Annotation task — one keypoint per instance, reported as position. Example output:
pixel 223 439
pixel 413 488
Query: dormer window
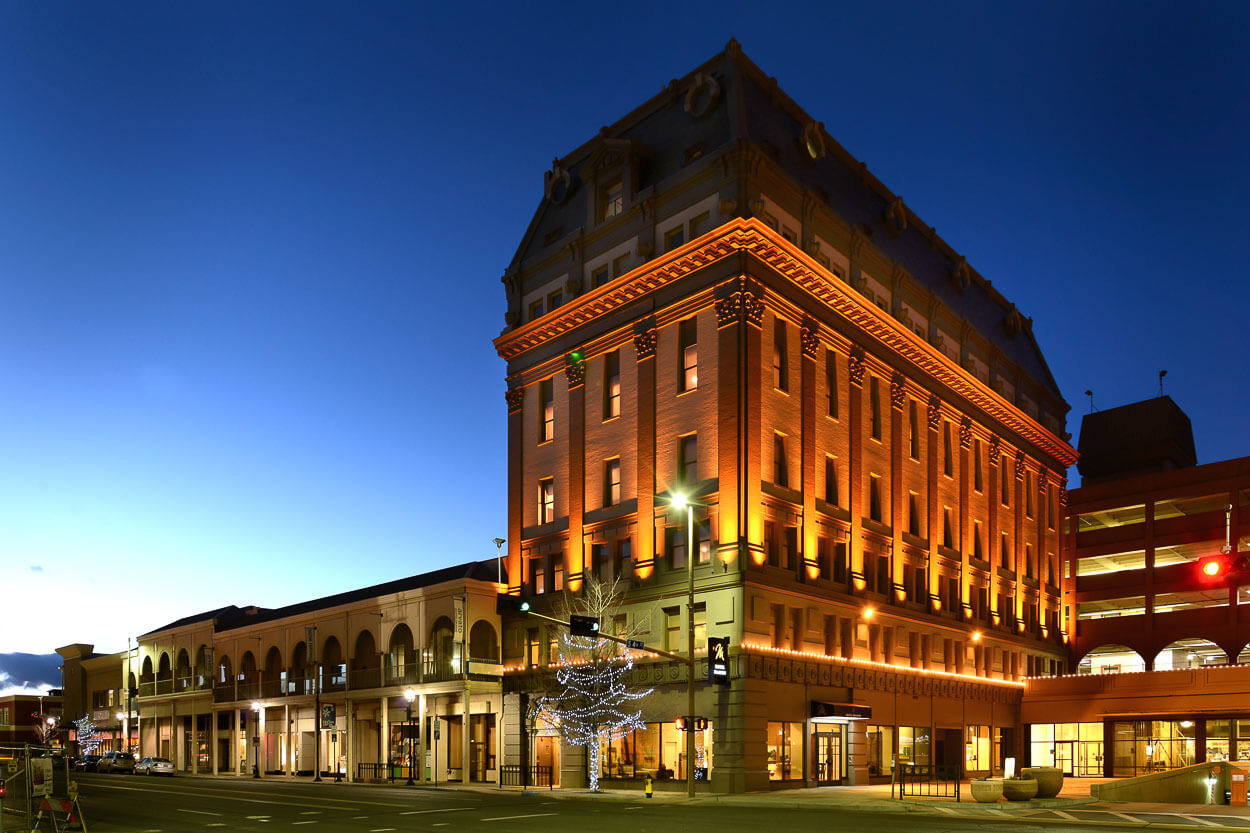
pixel 612 200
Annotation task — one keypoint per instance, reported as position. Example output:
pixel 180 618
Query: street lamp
pixel 679 501
pixel 409 695
pixel 499 542
pixel 256 740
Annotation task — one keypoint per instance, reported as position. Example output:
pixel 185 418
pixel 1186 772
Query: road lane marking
pixel 381 829
pixel 441 824
pixel 237 797
pixel 439 810
pixel 1200 820
pixel 311 813
pixel 313 821
pixel 1067 816
pixel 526 816
pixel 199 812
pixel 1123 816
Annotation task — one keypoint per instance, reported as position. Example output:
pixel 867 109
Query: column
pixel 516 469
pixel 933 441
pixel 385 740
pixel 575 376
pixel 809 344
pixel 465 767
pixel 347 740
pixel 211 735
pixel 898 506
pixel 645 337
pixel 421 740
pixel 288 766
pixel 855 466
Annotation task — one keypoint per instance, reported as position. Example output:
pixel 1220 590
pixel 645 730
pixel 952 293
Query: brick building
pixel 715 298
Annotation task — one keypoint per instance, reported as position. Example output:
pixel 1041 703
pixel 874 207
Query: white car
pixel 154 766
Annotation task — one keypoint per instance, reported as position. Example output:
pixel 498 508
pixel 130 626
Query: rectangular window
pixel 913 513
pixel 599 277
pixel 536 310
pixel 532 646
pixel 624 558
pixel 874 497
pixel 1004 552
pixel 977 484
pixel 913 419
pixel 612 200
pixel 547 411
pixel 874 400
pixel 1006 490
pixel 1029 569
pixel 699 225
pixel 948 539
pixel 676 546
pixel 703 541
pixel 612 385
pixel 546 500
pixel 948 458
pixel 688 462
pixel 555 299
pixel 1051 507
pixel 672 629
pixel 700 625
pixel 772 548
pixel 789 547
pixel 781 376
pixel 841 564
pixel 674 238
pixel 557 573
pixel 831 383
pixel 831 481
pixel 620 266
pixel 689 349
pixel 781 472
pixel 612 482
pixel 538 576
pixel 1028 494
pixel 977 551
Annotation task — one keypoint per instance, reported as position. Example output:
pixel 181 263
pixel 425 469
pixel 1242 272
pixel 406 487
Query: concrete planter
pixel 986 790
pixel 1019 789
pixel 1049 779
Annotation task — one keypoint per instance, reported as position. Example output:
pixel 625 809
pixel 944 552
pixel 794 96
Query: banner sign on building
pixel 327 716
pixel 459 637
pixel 718 660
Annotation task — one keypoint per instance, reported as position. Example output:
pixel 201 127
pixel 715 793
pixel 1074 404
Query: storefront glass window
pixel 1076 748
pixel 913 745
pixel 785 751
pixel 1243 740
pixel 977 749
pixel 659 750
pixel 1218 732
pixel 880 750
pixel 1153 745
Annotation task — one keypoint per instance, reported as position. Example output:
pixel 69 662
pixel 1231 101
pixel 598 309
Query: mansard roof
pixel 728 104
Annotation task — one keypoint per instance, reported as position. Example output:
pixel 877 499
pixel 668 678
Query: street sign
pixel 718 660
pixel 636 644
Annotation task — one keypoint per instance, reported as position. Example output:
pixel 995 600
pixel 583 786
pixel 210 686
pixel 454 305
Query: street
pixel 118 804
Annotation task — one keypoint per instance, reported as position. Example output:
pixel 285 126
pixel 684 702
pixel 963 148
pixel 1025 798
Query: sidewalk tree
pixel 592 704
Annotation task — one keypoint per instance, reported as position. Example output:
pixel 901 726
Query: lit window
pixel 612 482
pixel 688 462
pixel 546 500
pixel 781 471
pixel 781 378
pixel 687 335
pixel 612 385
pixel 537 576
pixel 613 196
pixel 546 399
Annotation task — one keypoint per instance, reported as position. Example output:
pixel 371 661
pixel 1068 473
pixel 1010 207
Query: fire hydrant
pixel 647 786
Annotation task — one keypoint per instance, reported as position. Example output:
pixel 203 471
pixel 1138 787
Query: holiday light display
pixel 593 705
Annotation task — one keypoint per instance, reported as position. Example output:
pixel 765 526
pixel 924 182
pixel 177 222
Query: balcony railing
pixel 365 677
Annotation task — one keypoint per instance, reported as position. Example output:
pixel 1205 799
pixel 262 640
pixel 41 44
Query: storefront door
pixel 827 754
pixel 1063 756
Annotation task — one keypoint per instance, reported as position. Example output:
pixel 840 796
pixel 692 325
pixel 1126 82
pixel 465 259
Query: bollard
pixel 647 786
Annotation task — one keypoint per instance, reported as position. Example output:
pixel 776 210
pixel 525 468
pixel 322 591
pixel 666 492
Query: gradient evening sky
pixel 250 252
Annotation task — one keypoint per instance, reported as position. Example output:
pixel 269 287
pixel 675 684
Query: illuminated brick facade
pixel 865 421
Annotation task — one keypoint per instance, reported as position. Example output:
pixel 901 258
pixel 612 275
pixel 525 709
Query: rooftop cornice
pixel 750 236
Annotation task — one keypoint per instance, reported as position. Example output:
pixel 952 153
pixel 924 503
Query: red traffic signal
pixel 1213 567
pixel 681 723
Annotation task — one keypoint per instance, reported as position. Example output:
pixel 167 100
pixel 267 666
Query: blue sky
pixel 250 253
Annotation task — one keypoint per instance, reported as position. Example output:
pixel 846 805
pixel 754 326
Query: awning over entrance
pixel 839 712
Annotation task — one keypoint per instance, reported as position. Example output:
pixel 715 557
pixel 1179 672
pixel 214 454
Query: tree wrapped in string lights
pixel 593 705
pixel 89 738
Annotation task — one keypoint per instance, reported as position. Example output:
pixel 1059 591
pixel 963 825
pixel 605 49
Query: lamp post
pixel 499 542
pixel 680 501
pixel 256 740
pixel 409 695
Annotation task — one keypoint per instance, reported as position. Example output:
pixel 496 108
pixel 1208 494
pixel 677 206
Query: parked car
pixel 86 763
pixel 116 762
pixel 154 766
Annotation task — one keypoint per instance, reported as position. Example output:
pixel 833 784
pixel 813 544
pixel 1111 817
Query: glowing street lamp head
pixel 410 695
pixel 256 706
pixel 976 636
pixel 868 612
pixel 679 501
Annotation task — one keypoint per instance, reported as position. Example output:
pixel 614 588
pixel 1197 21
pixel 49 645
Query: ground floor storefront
pixel 1116 725
pixel 784 721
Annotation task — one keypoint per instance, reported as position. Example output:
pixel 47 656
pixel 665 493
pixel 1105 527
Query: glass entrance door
pixel 827 754
pixel 1063 756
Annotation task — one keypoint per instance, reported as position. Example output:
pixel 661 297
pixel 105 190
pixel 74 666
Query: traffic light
pixel 681 724
pixel 510 604
pixel 583 626
pixel 1213 567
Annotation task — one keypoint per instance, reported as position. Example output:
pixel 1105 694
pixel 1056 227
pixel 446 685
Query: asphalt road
pixel 121 804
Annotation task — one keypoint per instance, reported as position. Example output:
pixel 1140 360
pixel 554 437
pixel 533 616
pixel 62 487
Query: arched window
pixel 483 643
pixel 400 658
pixel 1111 659
pixel 442 658
pixel 365 662
pixel 333 671
pixel 1190 653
